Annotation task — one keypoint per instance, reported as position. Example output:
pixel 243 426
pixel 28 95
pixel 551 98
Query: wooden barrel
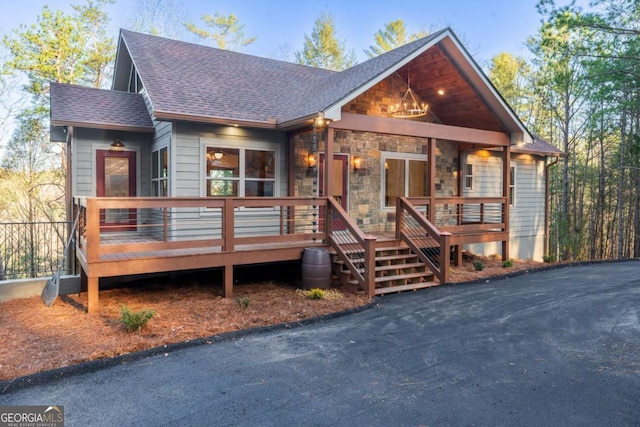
pixel 316 269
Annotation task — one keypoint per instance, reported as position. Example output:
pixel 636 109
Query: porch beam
pixel 431 164
pixel 359 122
pixel 329 183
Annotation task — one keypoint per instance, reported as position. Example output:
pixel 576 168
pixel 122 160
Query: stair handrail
pixel 366 279
pixel 403 205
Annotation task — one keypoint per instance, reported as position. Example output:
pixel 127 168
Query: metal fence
pixel 35 249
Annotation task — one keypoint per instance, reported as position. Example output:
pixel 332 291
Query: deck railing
pixel 34 249
pixel 463 214
pixel 425 240
pixel 356 249
pixel 114 225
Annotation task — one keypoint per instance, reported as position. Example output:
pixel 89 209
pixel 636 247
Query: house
pixel 199 157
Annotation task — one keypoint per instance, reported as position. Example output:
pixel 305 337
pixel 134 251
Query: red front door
pixel 116 177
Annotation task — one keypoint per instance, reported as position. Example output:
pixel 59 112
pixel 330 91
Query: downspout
pixel 69 172
pixel 70 262
pixel 547 213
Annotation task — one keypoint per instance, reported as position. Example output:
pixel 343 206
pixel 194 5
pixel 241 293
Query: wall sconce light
pixel 116 143
pixel 218 155
pixel 357 163
pixel 311 160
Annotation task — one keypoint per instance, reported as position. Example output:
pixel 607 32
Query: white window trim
pixel 464 176
pixel 241 145
pixel 512 184
pixel 161 178
pixel 384 156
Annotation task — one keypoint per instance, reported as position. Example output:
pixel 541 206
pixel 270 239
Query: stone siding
pixel 365 185
pixel 381 98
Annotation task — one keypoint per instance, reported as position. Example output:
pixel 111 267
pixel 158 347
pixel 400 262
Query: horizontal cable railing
pixel 34 249
pixel 128 225
pixel 463 213
pixel 356 250
pixel 425 240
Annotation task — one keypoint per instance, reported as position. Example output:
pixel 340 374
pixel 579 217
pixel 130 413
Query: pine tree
pixel 227 32
pixel 392 36
pixel 323 49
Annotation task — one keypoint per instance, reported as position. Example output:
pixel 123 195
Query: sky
pixel 486 27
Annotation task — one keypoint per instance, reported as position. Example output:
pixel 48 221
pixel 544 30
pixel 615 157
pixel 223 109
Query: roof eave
pixel 171 116
pixel 302 121
pixel 538 152
pixel 105 126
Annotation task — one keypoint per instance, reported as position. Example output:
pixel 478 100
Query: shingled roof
pixel 538 147
pixel 73 105
pixel 188 80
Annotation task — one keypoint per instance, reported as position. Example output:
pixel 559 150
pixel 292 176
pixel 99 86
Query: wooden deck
pixel 174 234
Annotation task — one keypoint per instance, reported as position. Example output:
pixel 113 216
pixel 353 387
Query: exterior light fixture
pixel 311 160
pixel 117 143
pixel 357 163
pixel 409 106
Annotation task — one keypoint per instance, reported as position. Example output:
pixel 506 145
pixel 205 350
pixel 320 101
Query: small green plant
pixel 317 293
pixel 548 258
pixel 478 265
pixel 135 320
pixel 508 263
pixel 243 302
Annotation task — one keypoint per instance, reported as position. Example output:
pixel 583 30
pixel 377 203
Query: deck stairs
pixel 397 269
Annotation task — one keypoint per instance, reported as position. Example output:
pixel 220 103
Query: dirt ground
pixel 36 338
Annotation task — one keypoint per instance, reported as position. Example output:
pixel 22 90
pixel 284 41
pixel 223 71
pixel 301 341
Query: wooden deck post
pixel 399 217
pixel 458 252
pixel 228 224
pixel 445 251
pixel 93 305
pixel 431 166
pixel 227 290
pixel 92 229
pixel 370 265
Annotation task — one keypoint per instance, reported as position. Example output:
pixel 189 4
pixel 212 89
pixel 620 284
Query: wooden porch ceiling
pixel 459 104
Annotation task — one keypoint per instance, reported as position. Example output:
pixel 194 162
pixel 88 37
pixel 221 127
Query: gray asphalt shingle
pixel 195 80
pixel 81 105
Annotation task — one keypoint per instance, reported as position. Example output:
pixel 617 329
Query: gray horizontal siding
pixel 189 172
pixel 526 217
pixel 85 144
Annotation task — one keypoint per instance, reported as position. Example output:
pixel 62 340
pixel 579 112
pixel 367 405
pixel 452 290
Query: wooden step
pixel 399 266
pixel 380 258
pixel 380 268
pixel 405 288
pixel 383 279
pixel 378 251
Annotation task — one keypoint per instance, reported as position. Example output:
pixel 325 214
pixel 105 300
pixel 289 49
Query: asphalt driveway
pixel 558 347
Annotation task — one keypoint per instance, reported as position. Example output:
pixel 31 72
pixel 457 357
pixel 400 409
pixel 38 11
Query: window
pixel 404 175
pixel 135 84
pixel 240 172
pixel 468 176
pixel 160 172
pixel 512 187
